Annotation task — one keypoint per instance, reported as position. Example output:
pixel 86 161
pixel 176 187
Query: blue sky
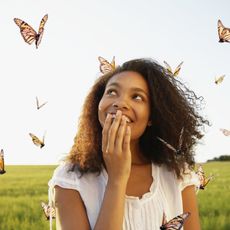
pixel 64 67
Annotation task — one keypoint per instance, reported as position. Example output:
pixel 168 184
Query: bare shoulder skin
pixel 190 205
pixel 70 210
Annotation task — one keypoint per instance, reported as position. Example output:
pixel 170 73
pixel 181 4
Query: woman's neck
pixel 137 155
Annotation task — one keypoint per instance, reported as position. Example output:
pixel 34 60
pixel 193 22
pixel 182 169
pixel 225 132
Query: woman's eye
pixel 138 97
pixel 111 92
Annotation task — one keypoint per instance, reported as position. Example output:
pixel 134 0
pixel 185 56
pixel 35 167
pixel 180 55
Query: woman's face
pixel 127 91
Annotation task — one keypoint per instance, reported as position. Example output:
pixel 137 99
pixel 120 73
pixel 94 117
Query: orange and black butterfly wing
pixel 43 139
pixel 105 66
pixel 168 68
pixel 180 141
pixel 177 70
pixel 2 166
pixel 167 144
pixel 225 132
pixel 41 30
pixel 38 104
pixel 37 141
pixel 223 32
pixel 201 176
pixel 220 29
pixel 42 24
pixel 48 211
pixel 226 34
pixel 28 33
pixel 164 220
pixel 113 63
pixel 176 223
pixel 219 79
pixel 45 210
pixel 206 181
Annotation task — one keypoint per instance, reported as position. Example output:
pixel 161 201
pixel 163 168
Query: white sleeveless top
pixel 145 213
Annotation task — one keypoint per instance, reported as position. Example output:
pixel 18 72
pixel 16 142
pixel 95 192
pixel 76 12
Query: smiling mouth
pixel 128 120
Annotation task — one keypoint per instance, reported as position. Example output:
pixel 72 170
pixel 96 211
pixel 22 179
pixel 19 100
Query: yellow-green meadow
pixel 21 191
pixel 23 188
pixel 214 201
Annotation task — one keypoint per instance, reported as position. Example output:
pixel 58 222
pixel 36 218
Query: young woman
pixel 119 174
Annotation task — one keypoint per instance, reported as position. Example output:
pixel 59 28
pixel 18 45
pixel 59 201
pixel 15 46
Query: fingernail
pixel 118 112
pixel 123 118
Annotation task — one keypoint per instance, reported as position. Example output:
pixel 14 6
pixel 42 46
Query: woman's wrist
pixel 117 183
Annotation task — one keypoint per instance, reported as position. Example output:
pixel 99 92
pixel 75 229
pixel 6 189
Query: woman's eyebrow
pixel 114 84
pixel 135 89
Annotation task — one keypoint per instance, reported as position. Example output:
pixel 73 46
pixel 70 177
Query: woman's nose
pixel 120 104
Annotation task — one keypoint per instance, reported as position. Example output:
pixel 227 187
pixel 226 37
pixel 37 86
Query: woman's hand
pixel 116 137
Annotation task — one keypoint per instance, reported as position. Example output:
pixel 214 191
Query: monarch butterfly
pixel 176 223
pixel 28 33
pixel 49 211
pixel 219 79
pixel 223 32
pixel 178 150
pixel 202 178
pixel 105 66
pixel 37 141
pixel 225 132
pixel 38 104
pixel 169 69
pixel 2 167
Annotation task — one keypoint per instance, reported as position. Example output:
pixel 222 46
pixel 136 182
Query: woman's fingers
pixel 113 132
pixel 126 142
pixel 116 135
pixel 118 146
pixel 105 131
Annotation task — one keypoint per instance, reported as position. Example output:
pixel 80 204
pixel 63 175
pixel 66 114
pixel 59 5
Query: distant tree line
pixel 220 158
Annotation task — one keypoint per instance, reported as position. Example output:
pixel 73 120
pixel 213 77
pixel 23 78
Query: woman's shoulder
pixel 188 177
pixel 68 176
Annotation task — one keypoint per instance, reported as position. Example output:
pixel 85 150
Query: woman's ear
pixel 149 123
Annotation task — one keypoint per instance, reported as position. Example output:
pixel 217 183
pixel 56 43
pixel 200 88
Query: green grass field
pixel 214 201
pixel 22 189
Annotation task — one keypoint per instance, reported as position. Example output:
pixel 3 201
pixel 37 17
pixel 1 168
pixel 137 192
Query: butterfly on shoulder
pixel 39 106
pixel 178 151
pixel 48 210
pixel 2 165
pixel 176 223
pixel 202 178
pixel 169 69
pixel 28 33
pixel 105 66
pixel 218 80
pixel 226 132
pixel 37 141
pixel 223 32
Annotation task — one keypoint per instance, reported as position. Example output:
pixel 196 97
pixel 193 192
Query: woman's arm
pixel 70 210
pixel 116 137
pixel 112 209
pixel 71 213
pixel 190 205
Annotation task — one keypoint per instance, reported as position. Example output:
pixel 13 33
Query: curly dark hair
pixel 172 107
